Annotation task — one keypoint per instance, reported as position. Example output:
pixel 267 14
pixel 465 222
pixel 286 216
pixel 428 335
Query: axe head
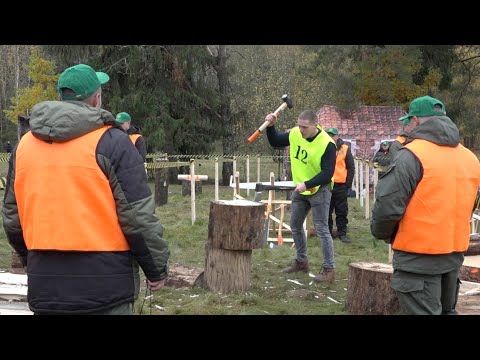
pixel 289 101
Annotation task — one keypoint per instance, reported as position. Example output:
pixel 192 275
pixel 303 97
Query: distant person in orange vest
pixel 124 120
pixel 423 208
pixel 77 206
pixel 342 178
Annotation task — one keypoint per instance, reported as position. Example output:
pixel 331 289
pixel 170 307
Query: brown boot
pixel 297 266
pixel 326 275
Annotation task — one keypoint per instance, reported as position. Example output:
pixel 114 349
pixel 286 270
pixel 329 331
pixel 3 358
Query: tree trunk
pixel 224 88
pixel 187 188
pixel 236 225
pixel 161 186
pixel 235 228
pixel 227 270
pixel 470 270
pixel 369 291
pixel 474 246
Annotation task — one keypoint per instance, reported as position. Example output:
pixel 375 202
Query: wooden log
pixel 468 299
pixel 186 187
pixel 369 291
pixel 180 276
pixel 470 270
pixel 474 246
pixel 227 270
pixel 161 186
pixel 236 225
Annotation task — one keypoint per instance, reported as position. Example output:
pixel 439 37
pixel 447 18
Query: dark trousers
pixel 421 294
pixel 339 203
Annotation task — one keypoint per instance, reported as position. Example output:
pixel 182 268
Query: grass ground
pixel 270 292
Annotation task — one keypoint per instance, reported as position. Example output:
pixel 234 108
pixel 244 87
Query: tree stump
pixel 186 187
pixel 369 291
pixel 161 186
pixel 235 228
pixel 470 270
pixel 474 246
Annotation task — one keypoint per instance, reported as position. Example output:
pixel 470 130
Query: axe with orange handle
pixel 287 102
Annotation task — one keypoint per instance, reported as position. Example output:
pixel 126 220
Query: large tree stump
pixel 369 291
pixel 187 188
pixel 470 270
pixel 235 228
pixel 236 225
pixel 474 246
pixel 227 270
pixel 161 186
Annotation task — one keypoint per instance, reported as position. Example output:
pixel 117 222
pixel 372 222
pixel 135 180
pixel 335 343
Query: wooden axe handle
pixel 265 124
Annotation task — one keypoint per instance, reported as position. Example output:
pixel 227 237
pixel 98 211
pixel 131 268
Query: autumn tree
pixel 44 80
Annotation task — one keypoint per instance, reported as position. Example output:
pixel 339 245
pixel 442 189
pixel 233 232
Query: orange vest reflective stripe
pixel 134 138
pixel 340 174
pixel 50 181
pixel 401 139
pixel 437 219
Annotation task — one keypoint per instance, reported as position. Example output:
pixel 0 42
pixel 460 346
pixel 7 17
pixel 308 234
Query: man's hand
pixel 271 118
pixel 300 188
pixel 155 285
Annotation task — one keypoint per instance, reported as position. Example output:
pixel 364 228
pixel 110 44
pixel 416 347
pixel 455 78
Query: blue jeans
pixel 320 205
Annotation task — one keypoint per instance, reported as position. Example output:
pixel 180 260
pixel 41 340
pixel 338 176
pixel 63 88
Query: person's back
pixel 423 207
pixel 77 187
pixel 124 121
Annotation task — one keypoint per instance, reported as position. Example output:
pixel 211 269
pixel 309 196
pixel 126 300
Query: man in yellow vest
pixel 124 120
pixel 342 178
pixel 423 208
pixel 77 206
pixel 312 156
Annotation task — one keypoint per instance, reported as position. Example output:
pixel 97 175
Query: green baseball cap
pixel 82 80
pixel 333 131
pixel 123 117
pixel 423 106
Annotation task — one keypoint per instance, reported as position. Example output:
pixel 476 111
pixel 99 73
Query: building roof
pixel 367 125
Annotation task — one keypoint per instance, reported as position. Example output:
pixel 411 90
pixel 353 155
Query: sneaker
pixel 326 275
pixel 345 239
pixel 297 266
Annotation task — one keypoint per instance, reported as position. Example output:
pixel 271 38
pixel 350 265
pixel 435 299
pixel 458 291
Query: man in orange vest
pixel 342 177
pixel 124 120
pixel 77 206
pixel 423 208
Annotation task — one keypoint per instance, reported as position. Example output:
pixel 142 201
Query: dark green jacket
pixel 78 282
pixel 396 187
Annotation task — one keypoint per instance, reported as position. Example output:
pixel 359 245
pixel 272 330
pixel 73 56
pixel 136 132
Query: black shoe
pixel 345 239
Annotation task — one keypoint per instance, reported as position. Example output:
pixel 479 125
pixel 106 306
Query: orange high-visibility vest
pixel 401 139
pixel 340 174
pixel 64 199
pixel 437 219
pixel 134 138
